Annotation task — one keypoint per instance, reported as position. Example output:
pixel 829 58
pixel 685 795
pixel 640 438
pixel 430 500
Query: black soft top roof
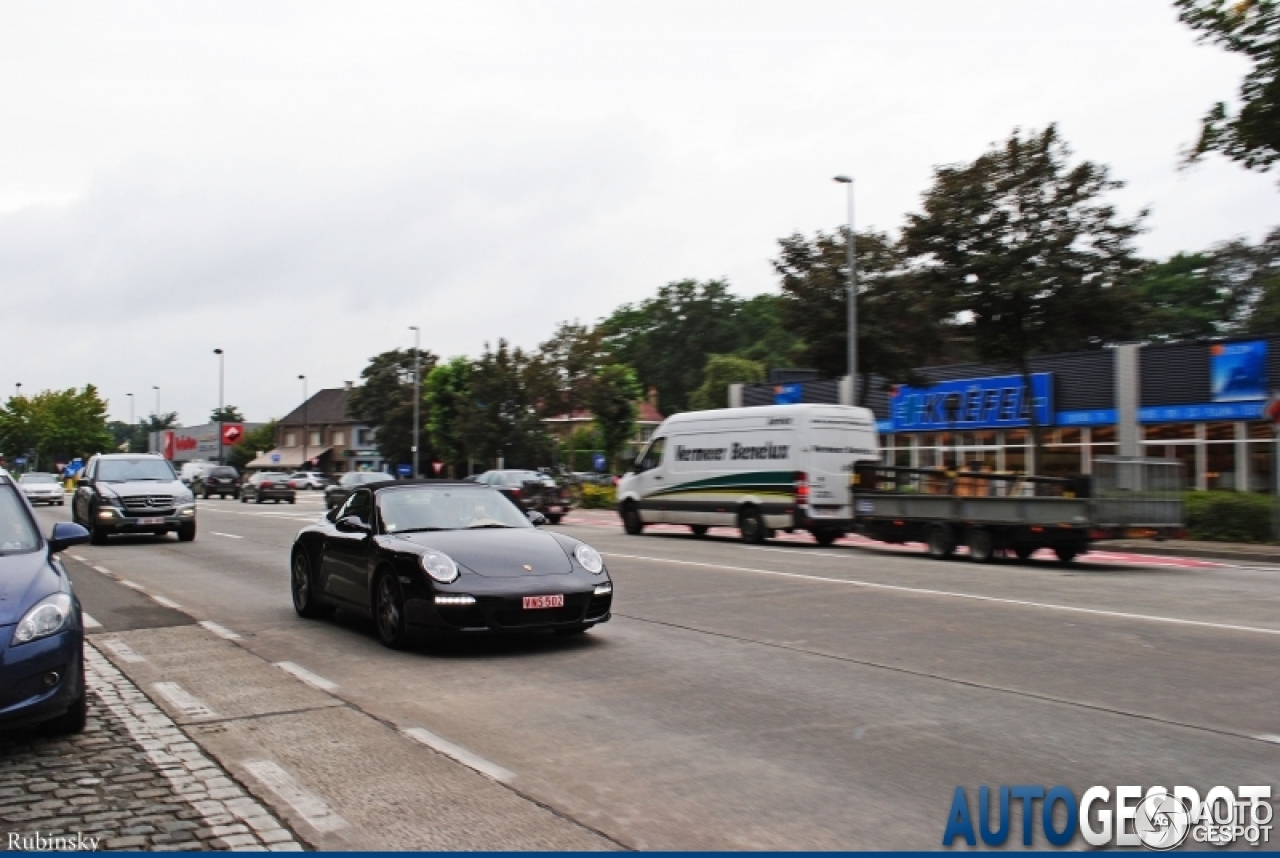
pixel 381 485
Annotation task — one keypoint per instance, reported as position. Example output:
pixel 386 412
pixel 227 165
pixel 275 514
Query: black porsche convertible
pixel 424 556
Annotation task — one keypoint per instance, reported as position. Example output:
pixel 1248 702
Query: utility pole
pixel 306 423
pixel 853 296
pixel 417 398
pixel 218 352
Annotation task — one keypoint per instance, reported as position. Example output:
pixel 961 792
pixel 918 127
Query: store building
pixel 198 443
pixel 1200 402
pixel 318 435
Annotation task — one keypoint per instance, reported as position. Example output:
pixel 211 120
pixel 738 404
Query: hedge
pixel 598 497
pixel 1229 516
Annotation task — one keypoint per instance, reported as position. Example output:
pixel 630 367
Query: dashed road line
pixel 221 631
pixel 307 676
pixel 167 603
pixel 122 650
pixel 89 622
pixel 459 754
pixel 1267 737
pixel 78 557
pixel 104 570
pixel 133 585
pixel 227 535
pixel 187 703
pixel 308 805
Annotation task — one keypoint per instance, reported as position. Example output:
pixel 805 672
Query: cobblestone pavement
pixel 132 780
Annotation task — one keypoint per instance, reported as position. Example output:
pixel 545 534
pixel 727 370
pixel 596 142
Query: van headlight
pixel 50 616
pixel 589 558
pixel 439 566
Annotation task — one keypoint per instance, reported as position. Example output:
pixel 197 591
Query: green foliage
pixel 57 425
pixel 1181 300
pixel 1250 28
pixel 720 372
pixel 254 443
pixel 447 396
pixel 612 399
pixel 500 416
pixel 598 497
pixel 1229 516
pixel 226 414
pixel 385 402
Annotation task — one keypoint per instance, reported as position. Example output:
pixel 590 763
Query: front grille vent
pixel 147 501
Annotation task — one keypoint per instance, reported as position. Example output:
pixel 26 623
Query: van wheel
pixel 751 525
pixel 631 521
pixel 982 545
pixel 942 543
pixel 699 529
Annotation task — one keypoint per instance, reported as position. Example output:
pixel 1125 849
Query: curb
pixel 1200 553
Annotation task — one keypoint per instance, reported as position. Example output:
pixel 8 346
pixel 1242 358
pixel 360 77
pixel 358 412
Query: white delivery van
pixel 773 467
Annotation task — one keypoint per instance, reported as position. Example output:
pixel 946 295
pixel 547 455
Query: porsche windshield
pixel 417 509
pixel 17 531
pixel 128 470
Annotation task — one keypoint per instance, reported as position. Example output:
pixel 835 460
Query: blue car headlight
pixel 50 615
pixel 589 558
pixel 439 566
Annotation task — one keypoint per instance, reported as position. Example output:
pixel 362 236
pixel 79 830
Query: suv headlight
pixel 50 616
pixel 183 497
pixel 589 558
pixel 439 566
pixel 108 497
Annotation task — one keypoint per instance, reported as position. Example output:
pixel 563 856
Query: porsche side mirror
pixel 536 518
pixel 351 524
pixel 66 534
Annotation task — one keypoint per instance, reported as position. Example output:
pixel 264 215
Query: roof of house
pixel 646 412
pixel 324 406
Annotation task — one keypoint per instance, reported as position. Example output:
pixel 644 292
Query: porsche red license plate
pixel 543 602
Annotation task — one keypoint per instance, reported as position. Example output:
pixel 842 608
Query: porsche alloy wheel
pixel 304 600
pixel 388 611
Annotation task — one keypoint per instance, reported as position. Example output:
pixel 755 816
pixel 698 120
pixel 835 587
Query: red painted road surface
pixel 609 519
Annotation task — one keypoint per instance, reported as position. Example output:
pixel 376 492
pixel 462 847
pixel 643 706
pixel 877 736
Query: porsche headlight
pixel 439 566
pixel 589 559
pixel 51 615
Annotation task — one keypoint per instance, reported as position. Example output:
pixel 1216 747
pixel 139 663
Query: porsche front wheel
pixel 388 612
pixel 304 597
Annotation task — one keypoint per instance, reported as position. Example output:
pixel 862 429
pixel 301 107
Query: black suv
pixel 529 490
pixel 220 480
pixel 133 493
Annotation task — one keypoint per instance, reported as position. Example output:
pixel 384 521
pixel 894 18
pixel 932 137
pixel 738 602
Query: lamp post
pixel 130 395
pixel 17 390
pixel 306 423
pixel 852 296
pixel 157 390
pixel 221 416
pixel 417 395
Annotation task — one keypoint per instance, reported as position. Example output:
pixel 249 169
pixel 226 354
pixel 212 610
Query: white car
pixel 308 480
pixel 42 488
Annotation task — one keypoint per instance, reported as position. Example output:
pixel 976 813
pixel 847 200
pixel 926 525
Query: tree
pixel 901 324
pixel 56 425
pixel 720 372
pixel 226 414
pixel 1250 28
pixel 560 377
pixel 1180 300
pixel 1027 256
pixel 385 402
pixel 448 399
pixel 762 337
pixel 254 443
pixel 501 419
pixel 612 399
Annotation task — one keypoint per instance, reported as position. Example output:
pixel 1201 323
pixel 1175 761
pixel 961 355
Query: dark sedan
pixel 220 480
pixel 267 486
pixel 529 490
pixel 41 630
pixel 424 556
pixel 337 493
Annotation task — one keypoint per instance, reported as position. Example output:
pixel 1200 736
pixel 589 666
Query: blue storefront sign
pixel 998 402
pixel 1238 371
pixel 1198 413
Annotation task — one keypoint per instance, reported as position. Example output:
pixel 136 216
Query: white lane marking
pixel 921 591
pixel 123 650
pixel 307 676
pixel 104 570
pixel 459 754
pixel 1269 738
pixel 309 806
pixel 227 535
pixel 77 557
pixel 168 603
pixel 221 631
pixel 134 585
pixel 89 622
pixel 187 703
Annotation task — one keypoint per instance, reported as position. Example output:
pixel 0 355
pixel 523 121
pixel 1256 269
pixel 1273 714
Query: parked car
pixel 42 488
pixel 431 556
pixel 132 493
pixel 529 490
pixel 267 486
pixel 336 493
pixel 220 480
pixel 42 648
pixel 309 480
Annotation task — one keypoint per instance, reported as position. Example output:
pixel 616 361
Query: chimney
pixel 653 397
pixel 350 385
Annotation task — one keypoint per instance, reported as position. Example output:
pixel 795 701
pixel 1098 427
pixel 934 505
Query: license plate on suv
pixel 150 521
pixel 531 602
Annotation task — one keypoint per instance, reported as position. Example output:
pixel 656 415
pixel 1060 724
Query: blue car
pixel 41 630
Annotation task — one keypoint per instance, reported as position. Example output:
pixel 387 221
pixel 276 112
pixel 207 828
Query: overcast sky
pixel 299 183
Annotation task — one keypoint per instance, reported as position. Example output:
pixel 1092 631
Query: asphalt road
pixel 788 696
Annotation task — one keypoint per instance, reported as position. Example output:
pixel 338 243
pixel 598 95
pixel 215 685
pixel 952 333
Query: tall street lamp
pixel 17 390
pixel 306 423
pixel 852 296
pixel 221 416
pixel 417 395
pixel 157 390
pixel 130 395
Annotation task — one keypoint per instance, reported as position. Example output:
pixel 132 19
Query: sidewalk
pixel 1227 551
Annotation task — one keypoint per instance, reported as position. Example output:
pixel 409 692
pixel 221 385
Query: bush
pixel 1229 516
pixel 598 497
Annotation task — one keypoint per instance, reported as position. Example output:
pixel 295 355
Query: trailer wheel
pixel 827 536
pixel 982 545
pixel 1066 553
pixel 1024 552
pixel 942 542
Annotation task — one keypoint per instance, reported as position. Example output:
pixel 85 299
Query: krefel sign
pixel 998 402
